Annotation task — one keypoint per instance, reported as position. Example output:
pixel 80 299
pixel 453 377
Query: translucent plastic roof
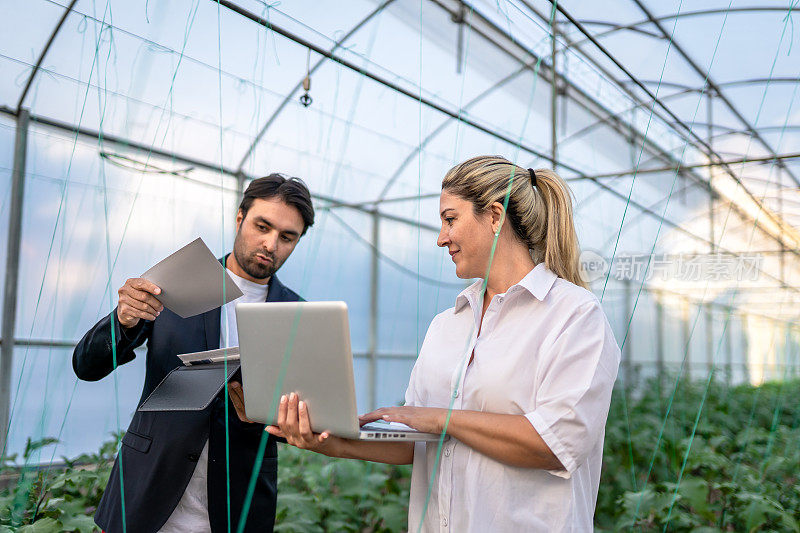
pixel 676 124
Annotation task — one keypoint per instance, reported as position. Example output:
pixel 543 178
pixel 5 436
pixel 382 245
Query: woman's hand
pixel 424 419
pixel 295 426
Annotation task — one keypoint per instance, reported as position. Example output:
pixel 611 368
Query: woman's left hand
pixel 424 419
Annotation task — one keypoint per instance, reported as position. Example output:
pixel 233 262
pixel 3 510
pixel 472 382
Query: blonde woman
pixel 528 363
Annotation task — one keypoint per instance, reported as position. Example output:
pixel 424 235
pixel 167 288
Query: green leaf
pixel 79 523
pixel 755 514
pixel 44 525
pixel 694 491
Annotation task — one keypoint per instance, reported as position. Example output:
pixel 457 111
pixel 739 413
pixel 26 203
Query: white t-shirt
pixel 545 351
pixel 191 513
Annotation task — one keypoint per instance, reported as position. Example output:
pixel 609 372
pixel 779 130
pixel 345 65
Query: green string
pixel 313 253
pixel 18 503
pixel 466 350
pixel 752 234
pixel 658 232
pixel 64 192
pixel 102 101
pixel 641 152
pixel 222 213
pixel 163 109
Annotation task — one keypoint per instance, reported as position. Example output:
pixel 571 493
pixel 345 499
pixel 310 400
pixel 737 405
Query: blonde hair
pixel 540 216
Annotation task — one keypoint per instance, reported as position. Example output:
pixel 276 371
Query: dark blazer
pixel 160 449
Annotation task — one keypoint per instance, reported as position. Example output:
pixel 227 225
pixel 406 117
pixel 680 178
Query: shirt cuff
pixel 544 429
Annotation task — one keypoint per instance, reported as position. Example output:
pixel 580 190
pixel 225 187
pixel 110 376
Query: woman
pixel 526 358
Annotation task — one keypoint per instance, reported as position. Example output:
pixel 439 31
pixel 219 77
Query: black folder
pixel 189 388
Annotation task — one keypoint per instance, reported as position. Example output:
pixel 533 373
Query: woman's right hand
pixel 295 426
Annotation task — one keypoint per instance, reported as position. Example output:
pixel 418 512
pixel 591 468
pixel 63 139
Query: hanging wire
pixel 752 234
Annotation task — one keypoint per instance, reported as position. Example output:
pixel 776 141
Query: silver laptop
pixel 305 346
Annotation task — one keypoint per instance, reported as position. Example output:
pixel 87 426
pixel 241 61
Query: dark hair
pixel 291 190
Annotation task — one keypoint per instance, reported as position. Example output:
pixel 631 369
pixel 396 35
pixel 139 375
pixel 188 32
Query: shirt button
pixel 455 393
pixel 447 452
pixel 444 522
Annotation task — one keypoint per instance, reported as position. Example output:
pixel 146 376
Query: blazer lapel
pixel 275 291
pixel 211 323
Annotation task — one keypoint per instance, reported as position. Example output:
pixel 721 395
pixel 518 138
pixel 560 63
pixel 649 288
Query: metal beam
pixel 709 337
pixel 373 314
pixel 678 120
pixel 379 79
pixel 737 161
pixel 735 83
pixel 727 129
pixel 614 27
pixel 687 338
pixel 728 351
pixel 12 272
pixel 418 97
pixel 199 163
pixel 439 129
pixel 716 88
pixel 299 84
pixel 44 53
pixel 635 98
pixel 659 341
pixel 627 351
pixel 528 59
pixel 528 62
pixel 125 143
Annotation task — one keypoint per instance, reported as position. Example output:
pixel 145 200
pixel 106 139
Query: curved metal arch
pixel 713 86
pixel 615 27
pixel 763 129
pixel 790 190
pixel 732 83
pixel 616 116
pixel 46 48
pixel 439 129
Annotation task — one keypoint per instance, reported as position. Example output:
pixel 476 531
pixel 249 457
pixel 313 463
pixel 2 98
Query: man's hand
pixel 137 300
pixel 236 392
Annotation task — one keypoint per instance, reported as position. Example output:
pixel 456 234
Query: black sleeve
pixel 93 358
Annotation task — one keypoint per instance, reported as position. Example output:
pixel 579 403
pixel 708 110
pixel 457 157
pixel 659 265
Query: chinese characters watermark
pixel 686 267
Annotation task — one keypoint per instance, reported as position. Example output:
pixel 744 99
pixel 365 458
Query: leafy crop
pixel 742 472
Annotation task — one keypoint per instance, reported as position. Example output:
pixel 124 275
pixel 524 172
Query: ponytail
pixel 560 244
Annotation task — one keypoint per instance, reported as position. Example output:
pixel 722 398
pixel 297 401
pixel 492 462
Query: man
pixel 173 465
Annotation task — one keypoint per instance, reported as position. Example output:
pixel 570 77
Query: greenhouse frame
pixel 128 129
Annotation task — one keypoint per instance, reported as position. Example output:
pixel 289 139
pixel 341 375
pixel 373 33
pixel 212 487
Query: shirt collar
pixel 538 282
pixel 470 294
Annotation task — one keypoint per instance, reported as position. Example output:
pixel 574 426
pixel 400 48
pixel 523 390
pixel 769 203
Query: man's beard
pixel 251 264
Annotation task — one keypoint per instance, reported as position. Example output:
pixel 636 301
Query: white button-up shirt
pixel 545 351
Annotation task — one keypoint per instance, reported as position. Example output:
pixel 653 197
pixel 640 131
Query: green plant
pixel 57 499
pixel 316 493
pixel 742 471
